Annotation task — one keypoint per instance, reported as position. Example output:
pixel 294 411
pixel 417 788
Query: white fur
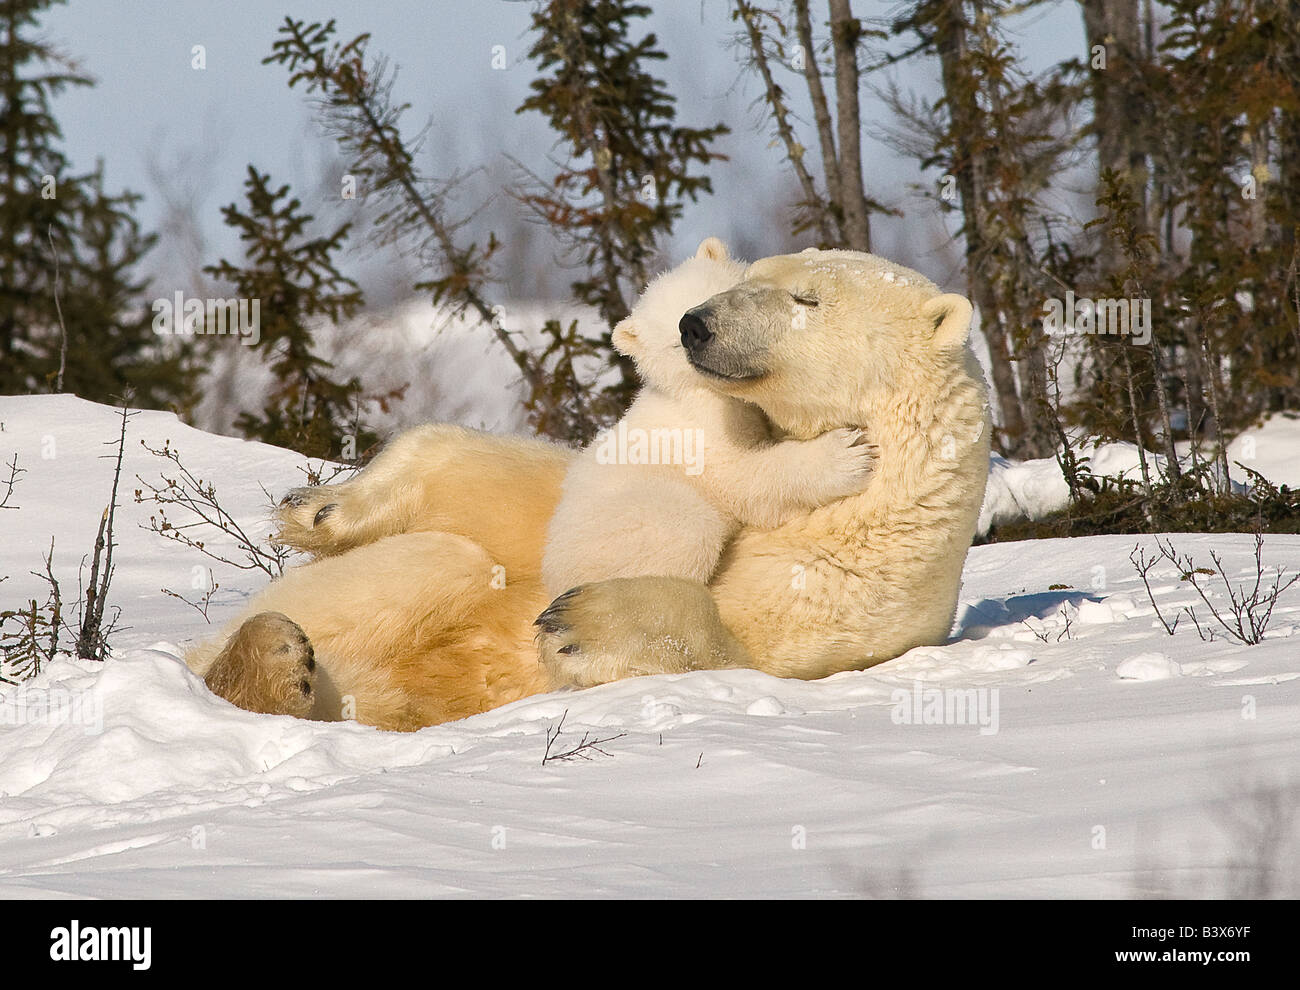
pixel 718 466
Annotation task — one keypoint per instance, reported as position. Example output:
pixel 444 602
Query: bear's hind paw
pixel 267 666
pixel 302 520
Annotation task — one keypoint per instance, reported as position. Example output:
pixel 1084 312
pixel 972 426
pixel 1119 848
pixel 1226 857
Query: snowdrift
pixel 1062 744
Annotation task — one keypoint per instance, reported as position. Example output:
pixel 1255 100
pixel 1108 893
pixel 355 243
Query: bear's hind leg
pixel 433 478
pixel 409 631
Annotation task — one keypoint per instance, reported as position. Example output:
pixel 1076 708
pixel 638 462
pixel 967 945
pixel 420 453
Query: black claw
pixel 306 687
pixel 568 596
pixel 568 650
pixel 293 498
pixel 550 620
pixel 311 662
pixel 325 511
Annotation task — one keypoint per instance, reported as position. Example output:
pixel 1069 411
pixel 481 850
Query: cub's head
pixel 650 335
pixel 811 338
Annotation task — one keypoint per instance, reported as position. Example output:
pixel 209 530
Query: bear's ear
pixel 949 316
pixel 713 249
pixel 624 336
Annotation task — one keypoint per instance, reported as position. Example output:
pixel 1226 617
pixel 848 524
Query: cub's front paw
pixel 848 460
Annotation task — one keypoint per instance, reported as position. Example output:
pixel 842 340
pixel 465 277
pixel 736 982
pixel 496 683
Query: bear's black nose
pixel 694 332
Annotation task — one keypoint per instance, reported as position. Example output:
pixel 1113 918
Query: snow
pixel 1148 667
pixel 1272 449
pixel 1108 774
pixel 1036 488
pixel 455 369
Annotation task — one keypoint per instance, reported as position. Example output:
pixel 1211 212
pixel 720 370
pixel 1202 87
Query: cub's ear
pixel 713 249
pixel 949 317
pixel 624 336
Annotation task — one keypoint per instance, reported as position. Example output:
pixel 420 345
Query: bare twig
pixel 1040 634
pixel 1250 608
pixel 199 500
pixel 9 483
pixel 582 751
pixel 201 606
pixel 325 473
pixel 1206 633
pixel 63 343
pixel 1137 556
pixel 92 639
pixel 1067 632
pixel 35 640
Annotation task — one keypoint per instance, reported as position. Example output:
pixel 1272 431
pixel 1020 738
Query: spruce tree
pixel 38 196
pixel 111 344
pixel 293 278
pixel 72 315
pixel 629 166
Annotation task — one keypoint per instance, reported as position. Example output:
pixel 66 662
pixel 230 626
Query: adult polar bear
pixel 421 604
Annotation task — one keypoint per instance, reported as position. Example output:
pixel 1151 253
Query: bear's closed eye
pixel 803 300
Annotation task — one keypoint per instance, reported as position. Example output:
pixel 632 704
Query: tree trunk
pixel 967 166
pixel 821 109
pixel 845 31
pixel 1118 114
pixel 1039 439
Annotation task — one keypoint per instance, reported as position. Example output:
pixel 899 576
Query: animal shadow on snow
pixel 975 620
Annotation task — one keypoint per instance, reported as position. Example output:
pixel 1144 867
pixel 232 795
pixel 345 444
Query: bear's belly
pixel 811 609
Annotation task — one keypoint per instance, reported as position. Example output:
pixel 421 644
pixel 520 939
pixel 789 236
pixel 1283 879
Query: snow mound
pixel 1148 667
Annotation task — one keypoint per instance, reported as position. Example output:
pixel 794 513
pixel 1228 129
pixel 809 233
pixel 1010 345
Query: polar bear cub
pixel 663 492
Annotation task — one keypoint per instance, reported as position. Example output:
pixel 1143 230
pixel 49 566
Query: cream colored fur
pixel 716 465
pixel 427 577
pixel 861 580
pixel 406 607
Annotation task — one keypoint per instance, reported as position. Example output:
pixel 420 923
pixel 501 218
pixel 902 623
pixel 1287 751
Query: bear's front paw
pixel 849 459
pixel 559 630
pixel 631 627
pixel 303 520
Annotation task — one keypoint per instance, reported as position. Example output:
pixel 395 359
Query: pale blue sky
pixel 149 102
